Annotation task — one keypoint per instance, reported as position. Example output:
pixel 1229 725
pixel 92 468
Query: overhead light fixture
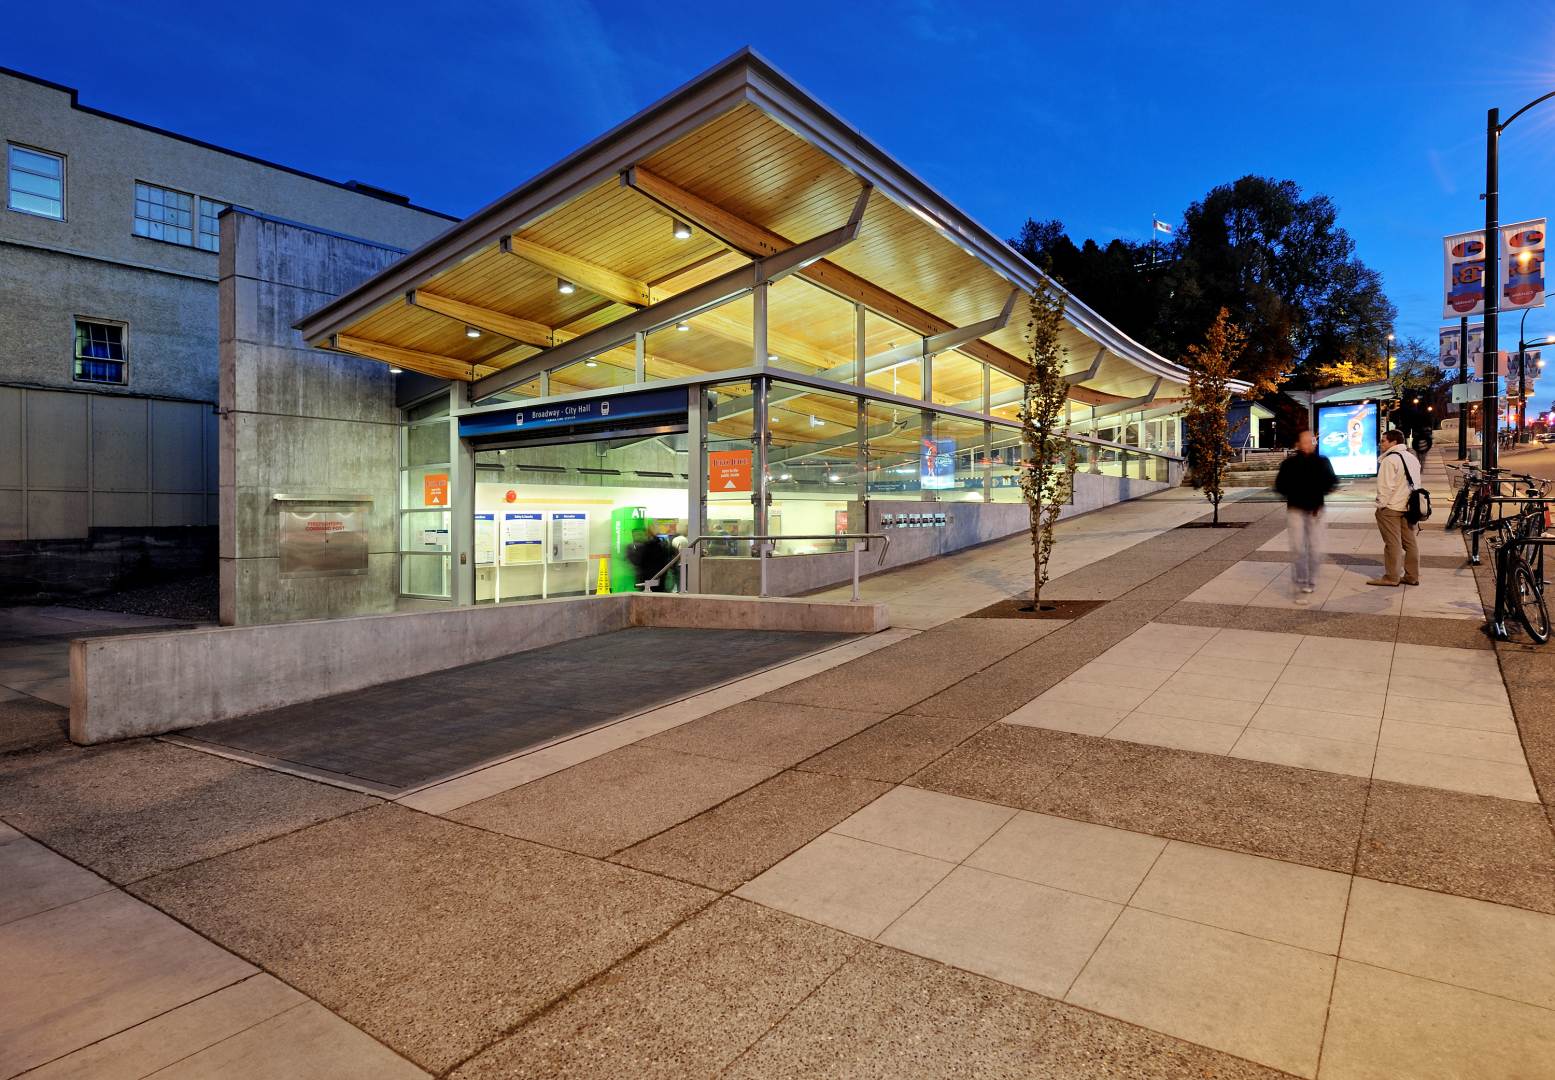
pixel 565 287
pixel 772 358
pixel 591 363
pixel 682 230
pixel 472 331
pixel 396 371
pixel 682 326
pixel 834 478
pixel 786 476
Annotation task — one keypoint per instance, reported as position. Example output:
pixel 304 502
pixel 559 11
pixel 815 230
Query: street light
pixel 1493 129
pixel 1522 379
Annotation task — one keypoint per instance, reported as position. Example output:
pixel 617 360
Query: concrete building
pixel 109 243
pixel 730 318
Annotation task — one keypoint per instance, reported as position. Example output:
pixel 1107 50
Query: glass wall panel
pixel 881 335
pixel 731 455
pixel 809 330
pixel 618 367
pixel 895 434
pixel 960 478
pixel 813 466
pixel 1006 393
pixel 716 340
pixel 1004 467
pixel 555 520
pixel 958 381
pixel 423 531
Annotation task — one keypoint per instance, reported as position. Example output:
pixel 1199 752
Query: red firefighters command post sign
pixel 728 470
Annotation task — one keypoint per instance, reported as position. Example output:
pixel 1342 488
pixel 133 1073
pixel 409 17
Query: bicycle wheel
pixel 1529 595
pixel 1459 502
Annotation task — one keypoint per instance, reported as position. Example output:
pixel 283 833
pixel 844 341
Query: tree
pixel 1047 475
pixel 1209 399
pixel 1275 258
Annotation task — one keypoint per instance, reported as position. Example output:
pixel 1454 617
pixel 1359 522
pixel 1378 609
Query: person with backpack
pixel 1305 479
pixel 1398 475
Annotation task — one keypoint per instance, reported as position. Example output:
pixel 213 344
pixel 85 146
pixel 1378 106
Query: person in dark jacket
pixel 1305 479
pixel 649 553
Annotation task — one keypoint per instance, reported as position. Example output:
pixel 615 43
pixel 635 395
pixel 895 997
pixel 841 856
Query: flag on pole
pixel 1158 225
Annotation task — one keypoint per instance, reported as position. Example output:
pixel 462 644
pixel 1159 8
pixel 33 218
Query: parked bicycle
pixel 1518 544
pixel 1480 490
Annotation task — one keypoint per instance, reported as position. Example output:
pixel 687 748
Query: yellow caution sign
pixel 603 588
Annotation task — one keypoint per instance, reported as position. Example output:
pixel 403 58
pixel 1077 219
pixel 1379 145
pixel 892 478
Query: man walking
pixel 1398 471
pixel 1305 479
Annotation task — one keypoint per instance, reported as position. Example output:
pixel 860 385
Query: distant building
pixel 109 330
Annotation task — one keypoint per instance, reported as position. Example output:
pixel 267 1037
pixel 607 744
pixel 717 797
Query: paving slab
pixel 436 938
pixel 1299 815
pixel 1005 764
pixel 135 808
pixel 732 843
pixel 26 723
pixel 88 970
pixel 894 749
pixel 687 1005
pixel 886 1015
pixel 305 1042
pixel 1470 845
pixel 34 879
pixel 172 1036
pixel 765 732
pixel 615 800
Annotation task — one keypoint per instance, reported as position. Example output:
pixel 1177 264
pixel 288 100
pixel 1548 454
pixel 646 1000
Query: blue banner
pixel 600 410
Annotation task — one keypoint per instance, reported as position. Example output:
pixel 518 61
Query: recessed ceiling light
pixel 472 331
pixel 396 371
pixel 565 287
pixel 682 230
pixel 682 326
pixel 772 358
pixel 591 363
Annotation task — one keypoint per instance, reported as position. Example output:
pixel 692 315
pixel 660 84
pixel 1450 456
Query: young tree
pixel 1047 474
pixel 1209 399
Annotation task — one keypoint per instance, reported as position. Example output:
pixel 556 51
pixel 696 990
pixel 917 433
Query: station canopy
pixel 632 261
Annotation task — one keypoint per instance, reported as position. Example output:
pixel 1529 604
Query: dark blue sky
pixel 1096 114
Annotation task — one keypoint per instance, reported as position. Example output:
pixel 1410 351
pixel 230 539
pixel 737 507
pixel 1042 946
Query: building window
pixel 162 214
pixel 37 182
pixel 210 229
pixel 100 352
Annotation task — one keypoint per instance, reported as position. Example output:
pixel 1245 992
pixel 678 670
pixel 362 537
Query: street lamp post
pixel 1522 373
pixel 1493 129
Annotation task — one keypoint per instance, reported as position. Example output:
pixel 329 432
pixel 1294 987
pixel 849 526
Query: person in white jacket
pixel 1397 471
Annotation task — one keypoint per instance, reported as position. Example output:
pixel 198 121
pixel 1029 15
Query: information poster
pixel 485 539
pixel 937 463
pixel 434 539
pixel 523 539
pixel 728 470
pixel 1347 436
pixel 569 537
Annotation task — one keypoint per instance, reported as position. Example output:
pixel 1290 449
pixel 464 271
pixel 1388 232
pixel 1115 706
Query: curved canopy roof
pixel 756 167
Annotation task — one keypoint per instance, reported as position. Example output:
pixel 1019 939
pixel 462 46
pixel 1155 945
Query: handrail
pixel 765 540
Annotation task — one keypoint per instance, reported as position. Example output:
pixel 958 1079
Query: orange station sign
pixel 434 489
pixel 728 470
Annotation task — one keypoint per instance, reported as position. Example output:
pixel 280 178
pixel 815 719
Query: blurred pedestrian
pixel 1305 479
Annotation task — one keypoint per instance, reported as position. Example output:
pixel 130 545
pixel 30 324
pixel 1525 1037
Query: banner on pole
pixel 1522 261
pixel 1522 254
pixel 1447 351
pixel 1463 275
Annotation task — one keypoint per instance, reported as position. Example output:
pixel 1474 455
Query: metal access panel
pixel 322 537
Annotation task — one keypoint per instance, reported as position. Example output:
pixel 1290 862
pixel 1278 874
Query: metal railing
pixel 763 553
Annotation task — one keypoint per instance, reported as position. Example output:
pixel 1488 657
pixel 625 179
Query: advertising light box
pixel 1347 436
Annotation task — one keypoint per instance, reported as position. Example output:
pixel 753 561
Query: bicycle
pixel 1481 489
pixel 1520 579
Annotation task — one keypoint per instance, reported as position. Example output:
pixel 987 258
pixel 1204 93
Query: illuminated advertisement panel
pixel 1347 437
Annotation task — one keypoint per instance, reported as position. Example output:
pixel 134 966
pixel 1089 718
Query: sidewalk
pixel 1185 834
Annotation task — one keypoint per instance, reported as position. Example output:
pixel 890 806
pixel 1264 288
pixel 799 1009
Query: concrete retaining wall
pixel 968 524
pixel 146 684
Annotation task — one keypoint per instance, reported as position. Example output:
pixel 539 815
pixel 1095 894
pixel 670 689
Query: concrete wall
pixel 297 420
pixel 968 524
pixel 145 684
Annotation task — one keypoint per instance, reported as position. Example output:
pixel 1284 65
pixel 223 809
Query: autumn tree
pixel 1047 474
pixel 1209 400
